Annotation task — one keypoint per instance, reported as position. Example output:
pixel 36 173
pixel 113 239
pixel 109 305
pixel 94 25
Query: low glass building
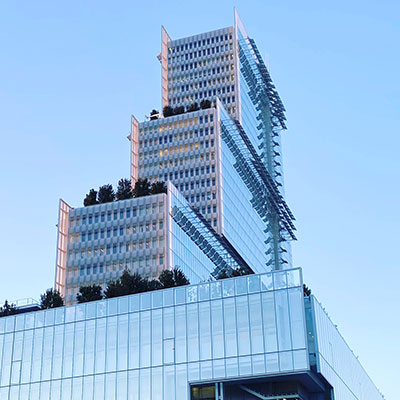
pixel 249 337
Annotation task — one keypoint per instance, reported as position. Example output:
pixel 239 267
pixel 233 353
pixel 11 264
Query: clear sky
pixel 71 74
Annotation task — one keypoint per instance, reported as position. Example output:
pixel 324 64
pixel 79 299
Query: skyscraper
pixel 258 336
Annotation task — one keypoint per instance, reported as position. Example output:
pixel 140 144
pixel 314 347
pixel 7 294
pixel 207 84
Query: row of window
pixel 176 137
pixel 200 53
pixel 199 43
pixel 100 268
pixel 115 232
pixel 127 247
pixel 193 157
pixel 175 75
pixel 117 214
pixel 201 84
pixel 198 64
pixel 178 149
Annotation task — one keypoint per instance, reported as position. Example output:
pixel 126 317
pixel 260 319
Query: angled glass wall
pixel 337 362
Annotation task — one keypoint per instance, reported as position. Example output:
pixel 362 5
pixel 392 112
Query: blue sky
pixel 72 73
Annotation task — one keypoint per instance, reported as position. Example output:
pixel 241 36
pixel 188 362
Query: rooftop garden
pixel 126 284
pixel 106 193
pixel 170 111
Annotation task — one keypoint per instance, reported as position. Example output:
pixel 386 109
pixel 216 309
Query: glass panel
pixel 134 340
pixel 133 386
pixel 80 312
pixel 296 301
pixel 241 285
pixel 145 301
pixel 134 303
pixel 112 305
pixel 77 388
pixel 19 322
pixel 180 294
pixel 100 358
pixel 180 334
pixel 89 346
pixel 110 386
pixel 58 350
pixel 88 383
pixel 122 385
pixel 123 304
pixel 29 320
pixel 258 363
pixel 99 383
pixel 111 347
pixel 218 369
pixel 156 337
pixel 300 359
pixel 10 323
pixel 253 282
pixel 204 292
pixel 50 316
pixel 193 371
pixel 280 280
pixel 256 326
pixel 191 294
pixel 122 347
pixel 169 382
pixel 101 308
pixel 193 332
pixel 169 349
pixel 157 383
pixel 39 319
pixel 217 322
pixel 267 282
pixel 216 289
pixel 60 315
pixel 47 353
pixel 45 391
pixel 244 366
pixel 230 327
pixel 79 348
pixel 271 362
pixel 293 278
pixel 69 314
pixel 242 313
pixel 206 370
pixel 285 361
pixel 282 320
pixel 37 354
pixel 168 297
pixel 157 299
pixel 66 389
pixel 145 339
pixel 205 331
pixel 270 336
pixel 228 287
pixel 90 310
pixel 232 367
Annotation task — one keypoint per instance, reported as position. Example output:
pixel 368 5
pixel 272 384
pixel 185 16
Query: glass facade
pixel 154 345
pixel 336 361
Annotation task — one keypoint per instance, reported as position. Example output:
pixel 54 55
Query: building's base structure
pixel 250 337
